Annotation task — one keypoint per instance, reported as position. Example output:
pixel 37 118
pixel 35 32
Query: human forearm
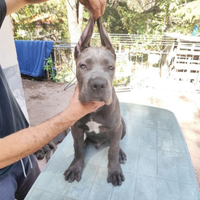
pixel 22 143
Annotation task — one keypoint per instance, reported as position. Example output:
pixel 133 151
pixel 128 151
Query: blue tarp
pixel 31 56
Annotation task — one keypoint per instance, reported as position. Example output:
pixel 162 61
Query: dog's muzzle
pixel 96 89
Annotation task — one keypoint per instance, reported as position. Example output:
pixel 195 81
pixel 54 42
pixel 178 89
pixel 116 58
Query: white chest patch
pixel 93 126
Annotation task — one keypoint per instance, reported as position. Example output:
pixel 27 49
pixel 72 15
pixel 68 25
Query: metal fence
pixel 140 59
pixel 64 62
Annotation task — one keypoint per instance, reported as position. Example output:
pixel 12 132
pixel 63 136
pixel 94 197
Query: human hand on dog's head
pixel 96 7
pixel 78 110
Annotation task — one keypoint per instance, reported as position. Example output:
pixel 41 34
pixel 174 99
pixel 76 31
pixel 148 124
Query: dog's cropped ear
pixel 84 41
pixel 104 36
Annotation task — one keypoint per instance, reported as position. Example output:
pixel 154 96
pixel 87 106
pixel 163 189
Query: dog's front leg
pixel 115 174
pixel 74 171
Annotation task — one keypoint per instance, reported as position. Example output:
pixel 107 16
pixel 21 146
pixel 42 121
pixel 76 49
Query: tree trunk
pixel 80 16
pixel 75 19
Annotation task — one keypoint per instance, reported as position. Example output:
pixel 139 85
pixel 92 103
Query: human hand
pixel 78 110
pixel 96 7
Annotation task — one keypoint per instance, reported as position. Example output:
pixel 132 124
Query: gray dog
pixel 95 69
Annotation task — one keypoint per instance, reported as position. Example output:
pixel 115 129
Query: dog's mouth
pixel 84 101
pixel 85 98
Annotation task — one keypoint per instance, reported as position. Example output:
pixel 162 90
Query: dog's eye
pixel 82 66
pixel 110 67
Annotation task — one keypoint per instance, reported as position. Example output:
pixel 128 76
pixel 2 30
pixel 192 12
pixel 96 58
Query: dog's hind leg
pixel 87 141
pixel 48 155
pixel 122 157
pixel 123 128
pixel 47 151
pixel 52 146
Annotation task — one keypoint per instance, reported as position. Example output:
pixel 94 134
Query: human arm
pixel 22 143
pixel 15 5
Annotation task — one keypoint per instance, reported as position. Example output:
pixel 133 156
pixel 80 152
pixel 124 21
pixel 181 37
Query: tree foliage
pixel 41 21
pixel 150 16
pixel 187 16
pixel 121 16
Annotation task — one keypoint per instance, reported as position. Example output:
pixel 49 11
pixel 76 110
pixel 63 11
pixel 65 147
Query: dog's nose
pixel 98 84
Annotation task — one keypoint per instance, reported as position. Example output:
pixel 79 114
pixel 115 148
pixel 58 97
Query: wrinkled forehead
pixel 97 55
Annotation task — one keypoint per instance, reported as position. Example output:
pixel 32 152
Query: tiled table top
pixel 158 164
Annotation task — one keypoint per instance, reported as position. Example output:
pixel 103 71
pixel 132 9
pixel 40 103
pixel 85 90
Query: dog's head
pixel 95 66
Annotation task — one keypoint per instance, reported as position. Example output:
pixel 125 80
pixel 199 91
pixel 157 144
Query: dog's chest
pixel 93 126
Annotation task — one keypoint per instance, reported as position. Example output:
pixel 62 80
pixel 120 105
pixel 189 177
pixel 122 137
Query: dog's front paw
pixel 116 177
pixel 74 172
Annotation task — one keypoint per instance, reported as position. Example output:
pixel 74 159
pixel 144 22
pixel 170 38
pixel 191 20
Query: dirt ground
pixel 45 99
